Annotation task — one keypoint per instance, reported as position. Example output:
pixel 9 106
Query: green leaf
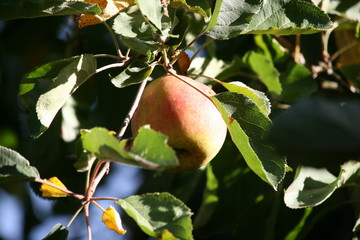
pixel 259 98
pixel 265 70
pixel 135 73
pixel 297 82
pixel 299 227
pixel 248 127
pixel 13 9
pixel 214 16
pixel 46 89
pixel 210 199
pixel 58 232
pixel 13 166
pixel 286 17
pixel 270 47
pixel 232 18
pixel 152 10
pixel 149 149
pixel 357 225
pixel 180 23
pixel 152 146
pixel 281 17
pixel 313 186
pixel 157 212
pixel 327 130
pixel 135 32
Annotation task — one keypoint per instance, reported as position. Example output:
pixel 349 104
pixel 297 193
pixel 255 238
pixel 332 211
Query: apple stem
pixel 173 73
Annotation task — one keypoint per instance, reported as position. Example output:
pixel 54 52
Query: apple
pixel 184 113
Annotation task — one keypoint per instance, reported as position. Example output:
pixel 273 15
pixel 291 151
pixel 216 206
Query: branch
pixel 87 214
pixel 132 110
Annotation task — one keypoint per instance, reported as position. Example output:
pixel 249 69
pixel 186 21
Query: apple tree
pixel 245 116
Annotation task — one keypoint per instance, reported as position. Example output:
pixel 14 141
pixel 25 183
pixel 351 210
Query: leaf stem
pixel 98 205
pixel 74 216
pixel 70 193
pixel 113 37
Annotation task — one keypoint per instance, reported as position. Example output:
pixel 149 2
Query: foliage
pixel 287 77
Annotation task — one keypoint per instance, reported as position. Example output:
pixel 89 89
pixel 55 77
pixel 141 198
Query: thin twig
pixel 114 65
pixel 104 198
pixel 91 189
pixel 187 46
pixel 201 48
pixel 342 50
pixel 132 110
pixel 96 180
pixel 107 56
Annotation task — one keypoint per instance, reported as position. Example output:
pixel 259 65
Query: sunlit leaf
pixel 312 186
pixel 232 17
pixel 47 88
pixel 109 9
pixel 288 17
pixel 149 149
pixel 58 232
pixel 112 220
pixel 135 73
pixel 268 17
pixel 265 70
pixel 52 192
pixel 259 98
pixel 135 32
pixel 13 166
pixel 152 10
pixel 157 212
pixel 13 9
pixel 248 127
pixel 357 226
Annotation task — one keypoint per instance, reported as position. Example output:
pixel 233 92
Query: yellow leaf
pixel 49 191
pixel 112 220
pixel 109 9
pixel 112 132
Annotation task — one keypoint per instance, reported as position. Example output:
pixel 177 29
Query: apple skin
pixel 193 124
